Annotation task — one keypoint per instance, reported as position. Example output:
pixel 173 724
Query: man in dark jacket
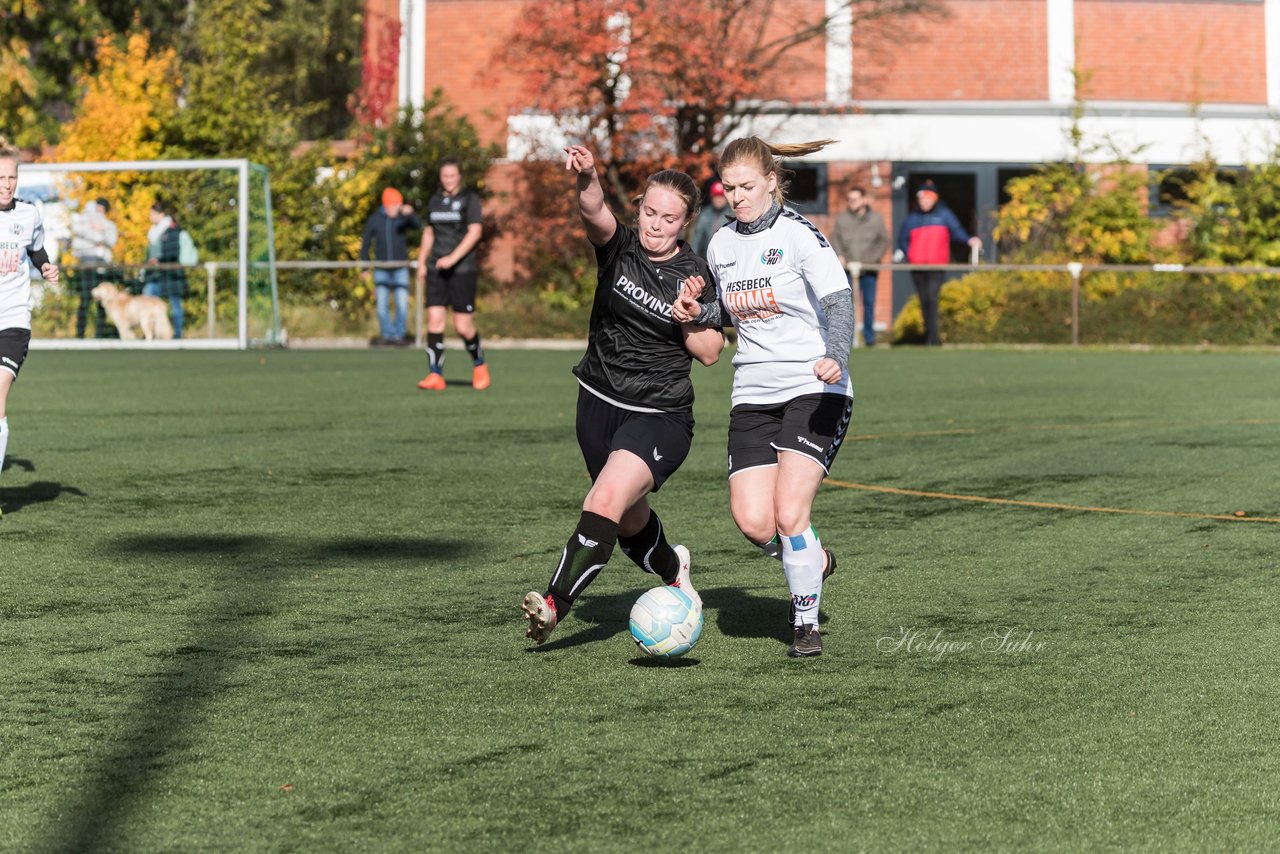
pixel 384 234
pixel 925 238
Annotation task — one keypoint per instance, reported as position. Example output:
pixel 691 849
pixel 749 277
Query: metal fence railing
pixel 1076 273
pixel 218 310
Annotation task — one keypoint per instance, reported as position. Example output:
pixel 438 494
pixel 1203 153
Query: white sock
pixel 802 563
pixel 4 439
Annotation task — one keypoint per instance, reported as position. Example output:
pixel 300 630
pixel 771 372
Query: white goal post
pixel 242 169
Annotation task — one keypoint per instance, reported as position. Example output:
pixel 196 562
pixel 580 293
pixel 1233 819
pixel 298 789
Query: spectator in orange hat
pixel 384 234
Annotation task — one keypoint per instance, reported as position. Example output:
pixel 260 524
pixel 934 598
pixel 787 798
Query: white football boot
pixel 683 581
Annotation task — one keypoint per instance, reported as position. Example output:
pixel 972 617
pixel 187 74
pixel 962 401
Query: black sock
pixel 435 351
pixel 585 554
pixel 650 551
pixel 474 348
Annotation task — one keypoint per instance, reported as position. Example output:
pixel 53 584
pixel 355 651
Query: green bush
pixel 1138 308
pixel 531 313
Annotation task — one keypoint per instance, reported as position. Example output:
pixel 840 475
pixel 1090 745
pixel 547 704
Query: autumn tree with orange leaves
pixel 665 83
pixel 122 115
pixel 653 84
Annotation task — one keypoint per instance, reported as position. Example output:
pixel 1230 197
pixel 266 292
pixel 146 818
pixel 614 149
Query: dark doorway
pixel 1004 176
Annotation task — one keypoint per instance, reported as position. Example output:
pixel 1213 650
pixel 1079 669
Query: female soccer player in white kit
pixel 786 292
pixel 21 238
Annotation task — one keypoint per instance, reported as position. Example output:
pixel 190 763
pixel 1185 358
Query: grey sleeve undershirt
pixel 709 314
pixel 839 309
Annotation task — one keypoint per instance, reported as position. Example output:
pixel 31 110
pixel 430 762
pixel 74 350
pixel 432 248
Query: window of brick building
pixel 808 191
pixel 1169 185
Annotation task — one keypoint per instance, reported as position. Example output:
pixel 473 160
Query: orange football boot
pixel 432 382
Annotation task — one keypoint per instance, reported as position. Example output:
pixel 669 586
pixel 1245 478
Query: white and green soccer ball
pixel 666 622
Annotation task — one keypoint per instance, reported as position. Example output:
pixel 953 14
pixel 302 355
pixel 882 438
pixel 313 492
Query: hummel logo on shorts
pixel 657 457
pixel 802 440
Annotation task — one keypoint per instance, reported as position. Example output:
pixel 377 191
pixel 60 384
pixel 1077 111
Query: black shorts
pixel 13 349
pixel 661 439
pixel 812 424
pixel 453 288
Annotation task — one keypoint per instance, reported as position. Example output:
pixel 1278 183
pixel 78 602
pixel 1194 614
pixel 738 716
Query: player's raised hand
pixel 686 306
pixel 827 370
pixel 579 159
pixel 694 286
pixel 50 272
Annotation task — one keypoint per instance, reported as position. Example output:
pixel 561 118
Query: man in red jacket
pixel 925 238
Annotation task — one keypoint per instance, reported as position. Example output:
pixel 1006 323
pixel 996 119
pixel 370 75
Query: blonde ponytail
pixel 767 157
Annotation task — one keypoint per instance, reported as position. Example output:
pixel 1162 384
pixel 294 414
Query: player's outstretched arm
pixel 599 221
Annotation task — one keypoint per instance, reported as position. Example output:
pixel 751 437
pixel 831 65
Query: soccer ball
pixel 666 622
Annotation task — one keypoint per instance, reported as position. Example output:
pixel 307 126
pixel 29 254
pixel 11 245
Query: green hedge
pixel 1115 308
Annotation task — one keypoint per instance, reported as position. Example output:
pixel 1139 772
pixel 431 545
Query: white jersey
pixel 771 283
pixel 20 231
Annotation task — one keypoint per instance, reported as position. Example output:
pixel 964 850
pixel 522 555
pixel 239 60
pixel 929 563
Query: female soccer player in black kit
pixel 635 400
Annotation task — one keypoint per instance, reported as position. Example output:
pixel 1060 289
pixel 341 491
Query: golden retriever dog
pixel 150 314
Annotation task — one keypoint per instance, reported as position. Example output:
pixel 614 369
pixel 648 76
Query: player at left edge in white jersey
pixel 21 241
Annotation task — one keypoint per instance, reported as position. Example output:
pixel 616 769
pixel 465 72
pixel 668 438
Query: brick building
pixel 968 100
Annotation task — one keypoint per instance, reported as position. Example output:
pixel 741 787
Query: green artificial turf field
pixel 269 601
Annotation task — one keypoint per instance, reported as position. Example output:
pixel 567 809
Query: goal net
pixel 225 284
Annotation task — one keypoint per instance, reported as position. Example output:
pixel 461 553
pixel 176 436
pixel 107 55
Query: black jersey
pixel 448 217
pixel 635 351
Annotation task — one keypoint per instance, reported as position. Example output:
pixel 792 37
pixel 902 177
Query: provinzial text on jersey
pixel 642 297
